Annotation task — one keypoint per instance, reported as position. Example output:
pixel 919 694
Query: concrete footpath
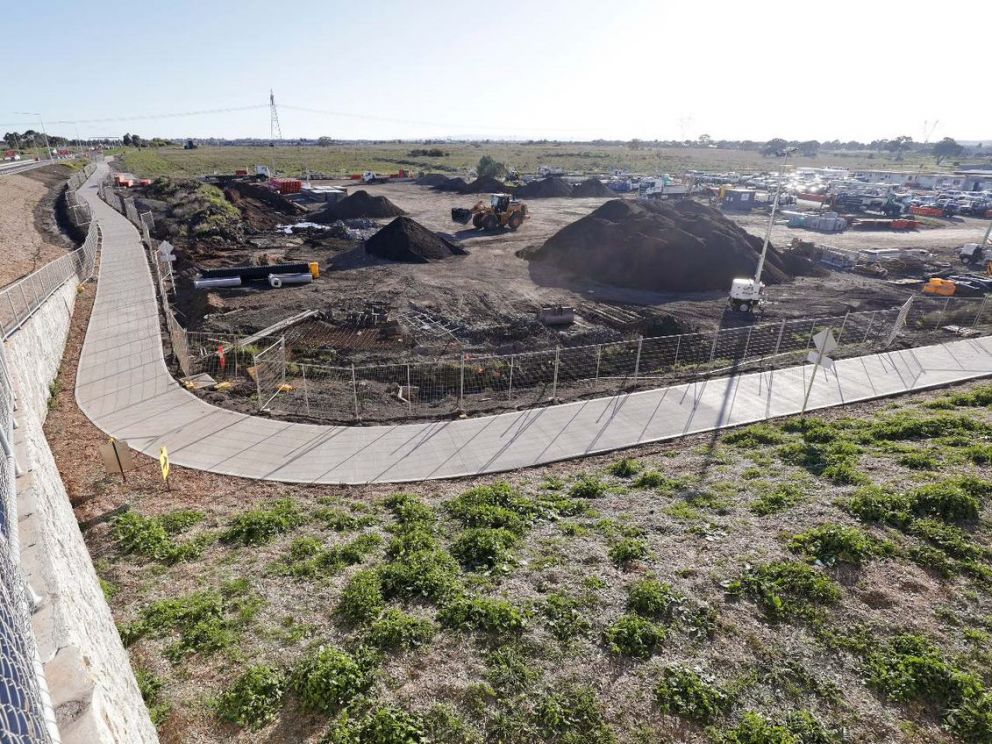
pixel 124 387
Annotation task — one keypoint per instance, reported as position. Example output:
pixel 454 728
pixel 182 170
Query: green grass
pixel 255 698
pixel 633 636
pixel 682 692
pixel 340 160
pixel 786 591
pixel 835 543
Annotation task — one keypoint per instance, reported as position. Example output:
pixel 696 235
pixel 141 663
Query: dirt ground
pixel 488 298
pixel 29 237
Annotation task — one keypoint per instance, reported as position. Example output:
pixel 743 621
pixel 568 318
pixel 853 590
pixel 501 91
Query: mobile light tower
pixel 747 294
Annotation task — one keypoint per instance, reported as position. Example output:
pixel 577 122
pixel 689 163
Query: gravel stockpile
pixel 546 188
pixel 591 187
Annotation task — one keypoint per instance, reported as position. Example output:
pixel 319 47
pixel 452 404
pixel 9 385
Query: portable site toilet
pixel 738 199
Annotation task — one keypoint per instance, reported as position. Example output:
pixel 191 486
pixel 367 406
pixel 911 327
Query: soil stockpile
pixel 452 184
pixel 486 185
pixel 432 179
pixel 410 242
pixel 359 204
pixel 544 189
pixel 591 187
pixel 657 246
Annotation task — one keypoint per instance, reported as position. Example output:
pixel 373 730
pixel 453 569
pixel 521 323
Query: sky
pixel 555 69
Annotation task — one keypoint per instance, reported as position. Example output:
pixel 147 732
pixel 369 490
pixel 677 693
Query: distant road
pixel 19 166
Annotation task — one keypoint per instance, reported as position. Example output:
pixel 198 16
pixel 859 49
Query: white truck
pixel 661 187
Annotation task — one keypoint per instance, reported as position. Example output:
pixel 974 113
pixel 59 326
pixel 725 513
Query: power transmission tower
pixel 275 132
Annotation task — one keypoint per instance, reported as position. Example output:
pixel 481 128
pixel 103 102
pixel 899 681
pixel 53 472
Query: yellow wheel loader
pixel 502 211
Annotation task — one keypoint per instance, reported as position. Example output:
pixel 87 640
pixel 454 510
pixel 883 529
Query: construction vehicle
pixel 502 211
pixel 373 177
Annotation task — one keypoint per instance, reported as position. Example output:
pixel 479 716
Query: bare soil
pixel 29 234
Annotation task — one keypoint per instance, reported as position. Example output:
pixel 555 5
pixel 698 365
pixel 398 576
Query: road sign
pixel 824 341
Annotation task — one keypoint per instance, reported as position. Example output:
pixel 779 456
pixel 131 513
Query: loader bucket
pixel 461 215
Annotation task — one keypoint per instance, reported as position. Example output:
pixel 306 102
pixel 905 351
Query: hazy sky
pixel 571 69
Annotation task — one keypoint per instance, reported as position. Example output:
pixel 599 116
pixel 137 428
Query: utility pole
pixel 48 150
pixel 771 220
pixel 275 131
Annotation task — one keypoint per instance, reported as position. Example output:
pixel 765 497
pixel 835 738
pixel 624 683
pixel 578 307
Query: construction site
pixel 412 279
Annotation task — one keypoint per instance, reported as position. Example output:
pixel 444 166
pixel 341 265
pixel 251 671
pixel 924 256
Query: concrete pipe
pixel 231 281
pixel 279 280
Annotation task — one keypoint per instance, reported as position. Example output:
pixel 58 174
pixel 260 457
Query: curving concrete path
pixel 124 387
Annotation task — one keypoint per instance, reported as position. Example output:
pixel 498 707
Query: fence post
pixel 943 312
pixel 716 336
pixel 599 358
pixel 306 394
pixel 554 381
pixel 637 361
pixel 840 333
pixel 509 395
pixel 781 332
pixel 409 391
pixel 747 343
pixel 354 389
pixel 871 322
pixel 461 383
pixel 678 345
pixel 981 309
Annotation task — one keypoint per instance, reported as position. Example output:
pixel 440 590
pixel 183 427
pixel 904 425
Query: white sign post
pixel 823 343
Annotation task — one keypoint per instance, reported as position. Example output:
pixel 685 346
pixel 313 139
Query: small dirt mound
pixel 591 187
pixel 410 242
pixel 656 246
pixel 452 184
pixel 545 189
pixel 486 185
pixel 432 179
pixel 359 204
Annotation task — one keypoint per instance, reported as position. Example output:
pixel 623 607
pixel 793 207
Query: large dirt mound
pixel 591 187
pixel 359 204
pixel 545 188
pixel 452 184
pixel 486 185
pixel 409 241
pixel 432 179
pixel 656 246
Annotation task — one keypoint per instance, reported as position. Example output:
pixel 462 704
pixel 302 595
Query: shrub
pixel 980 454
pixel 756 729
pixel 150 537
pixel 309 558
pixel 485 548
pixel 919 461
pixel 682 692
pixel 391 725
pixel 844 473
pixel 341 521
pixel 786 590
pixel 659 481
pixel 563 617
pixel 329 678
pixel 754 436
pixel 180 520
pixel 628 549
pixel 495 506
pixel 808 730
pixel 150 686
pixel 495 616
pixel 948 501
pixel 948 538
pixel 510 669
pixel 971 720
pixel 626 467
pixel 408 510
pixel 255 698
pixel 396 630
pixel 572 715
pixel 587 487
pixel 832 543
pixel 429 574
pixel 779 498
pixel 652 599
pixel 361 600
pixel 259 526
pixel 411 541
pixel 634 636
pixel 904 426
pixel 874 504
pixel 909 667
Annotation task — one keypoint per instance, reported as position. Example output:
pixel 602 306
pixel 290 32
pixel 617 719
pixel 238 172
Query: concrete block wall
pixel 90 680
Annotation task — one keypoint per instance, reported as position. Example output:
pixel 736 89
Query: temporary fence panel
pixel 270 372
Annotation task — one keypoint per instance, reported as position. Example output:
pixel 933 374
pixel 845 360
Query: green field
pixel 577 158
